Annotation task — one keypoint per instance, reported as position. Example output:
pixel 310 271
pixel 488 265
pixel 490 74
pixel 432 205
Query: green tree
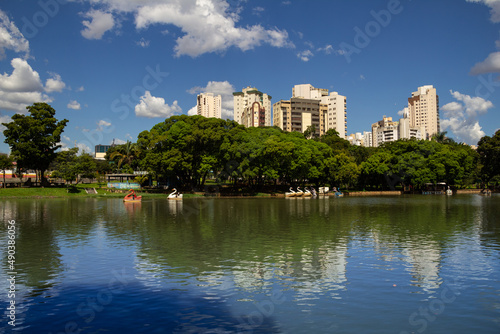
pixel 64 165
pixel 5 163
pixel 69 166
pixel 488 149
pixel 343 170
pixel 34 138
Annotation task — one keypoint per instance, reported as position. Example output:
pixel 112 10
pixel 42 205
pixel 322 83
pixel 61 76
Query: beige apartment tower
pixel 423 110
pixel 298 114
pixel 252 107
pixel 209 105
pixel 312 106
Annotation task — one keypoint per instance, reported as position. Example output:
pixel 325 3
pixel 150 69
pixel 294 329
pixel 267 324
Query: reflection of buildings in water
pixel 425 258
pixel 333 261
pixel 307 272
pixel 250 275
pixel 175 207
pixel 147 272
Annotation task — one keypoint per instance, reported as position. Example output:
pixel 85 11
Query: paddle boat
pixel 290 193
pixel 131 197
pixel 175 195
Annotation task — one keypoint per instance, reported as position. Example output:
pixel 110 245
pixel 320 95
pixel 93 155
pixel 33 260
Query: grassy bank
pixel 75 192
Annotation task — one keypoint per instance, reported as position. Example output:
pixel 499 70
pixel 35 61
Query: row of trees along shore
pixel 187 151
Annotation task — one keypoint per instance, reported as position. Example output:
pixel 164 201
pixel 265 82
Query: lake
pixel 405 264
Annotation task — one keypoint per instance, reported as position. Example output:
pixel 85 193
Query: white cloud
pixel 83 148
pixel 4 119
pixel 74 105
pixel 54 84
pixel 151 107
pixel 143 43
pixel 461 117
pixel 100 24
pixel 119 141
pixel 21 88
pixel 103 124
pixel 305 55
pixel 208 26
pixel 11 38
pixel 258 10
pixel 473 105
pixel 222 88
pixel 22 79
pixel 193 111
pixel 81 89
pixel 494 8
pixel 489 65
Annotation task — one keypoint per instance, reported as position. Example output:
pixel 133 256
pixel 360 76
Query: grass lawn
pixel 75 192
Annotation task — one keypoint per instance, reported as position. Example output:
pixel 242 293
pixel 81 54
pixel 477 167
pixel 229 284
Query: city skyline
pixel 116 68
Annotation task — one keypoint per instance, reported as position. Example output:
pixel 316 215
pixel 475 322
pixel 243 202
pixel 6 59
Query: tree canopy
pixel 186 150
pixel 34 138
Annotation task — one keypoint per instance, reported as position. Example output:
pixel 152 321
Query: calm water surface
pixel 419 264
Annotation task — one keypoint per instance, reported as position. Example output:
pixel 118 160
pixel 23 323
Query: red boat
pixel 132 197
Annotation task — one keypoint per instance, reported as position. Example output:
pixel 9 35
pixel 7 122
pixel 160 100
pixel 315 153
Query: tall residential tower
pixel 252 107
pixel 423 110
pixel 209 105
pixel 312 106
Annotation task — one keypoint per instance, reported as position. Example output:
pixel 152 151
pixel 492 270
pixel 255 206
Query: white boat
pixel 175 195
pixel 290 193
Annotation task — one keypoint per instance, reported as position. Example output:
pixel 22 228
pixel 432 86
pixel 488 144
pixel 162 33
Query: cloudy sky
pixel 114 68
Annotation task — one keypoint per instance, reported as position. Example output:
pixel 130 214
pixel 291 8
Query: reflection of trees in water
pixel 305 238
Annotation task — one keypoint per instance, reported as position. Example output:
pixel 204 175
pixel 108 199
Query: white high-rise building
pixel 386 130
pixel 252 107
pixel 335 104
pixel 336 117
pixel 423 109
pixel 209 105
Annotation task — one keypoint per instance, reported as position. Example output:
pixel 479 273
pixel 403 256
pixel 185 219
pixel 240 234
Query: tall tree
pixel 34 138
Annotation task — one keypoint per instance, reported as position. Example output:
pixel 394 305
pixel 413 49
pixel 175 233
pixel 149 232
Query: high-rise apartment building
pixel 311 106
pixel 298 114
pixel 423 109
pixel 386 130
pixel 209 105
pixel 336 115
pixel 252 107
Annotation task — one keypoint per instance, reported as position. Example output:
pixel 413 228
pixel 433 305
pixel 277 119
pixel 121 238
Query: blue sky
pixel 117 67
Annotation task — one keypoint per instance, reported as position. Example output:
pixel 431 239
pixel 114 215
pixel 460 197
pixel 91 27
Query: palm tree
pixel 125 153
pixel 441 138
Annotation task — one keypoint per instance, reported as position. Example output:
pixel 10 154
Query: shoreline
pixel 53 193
